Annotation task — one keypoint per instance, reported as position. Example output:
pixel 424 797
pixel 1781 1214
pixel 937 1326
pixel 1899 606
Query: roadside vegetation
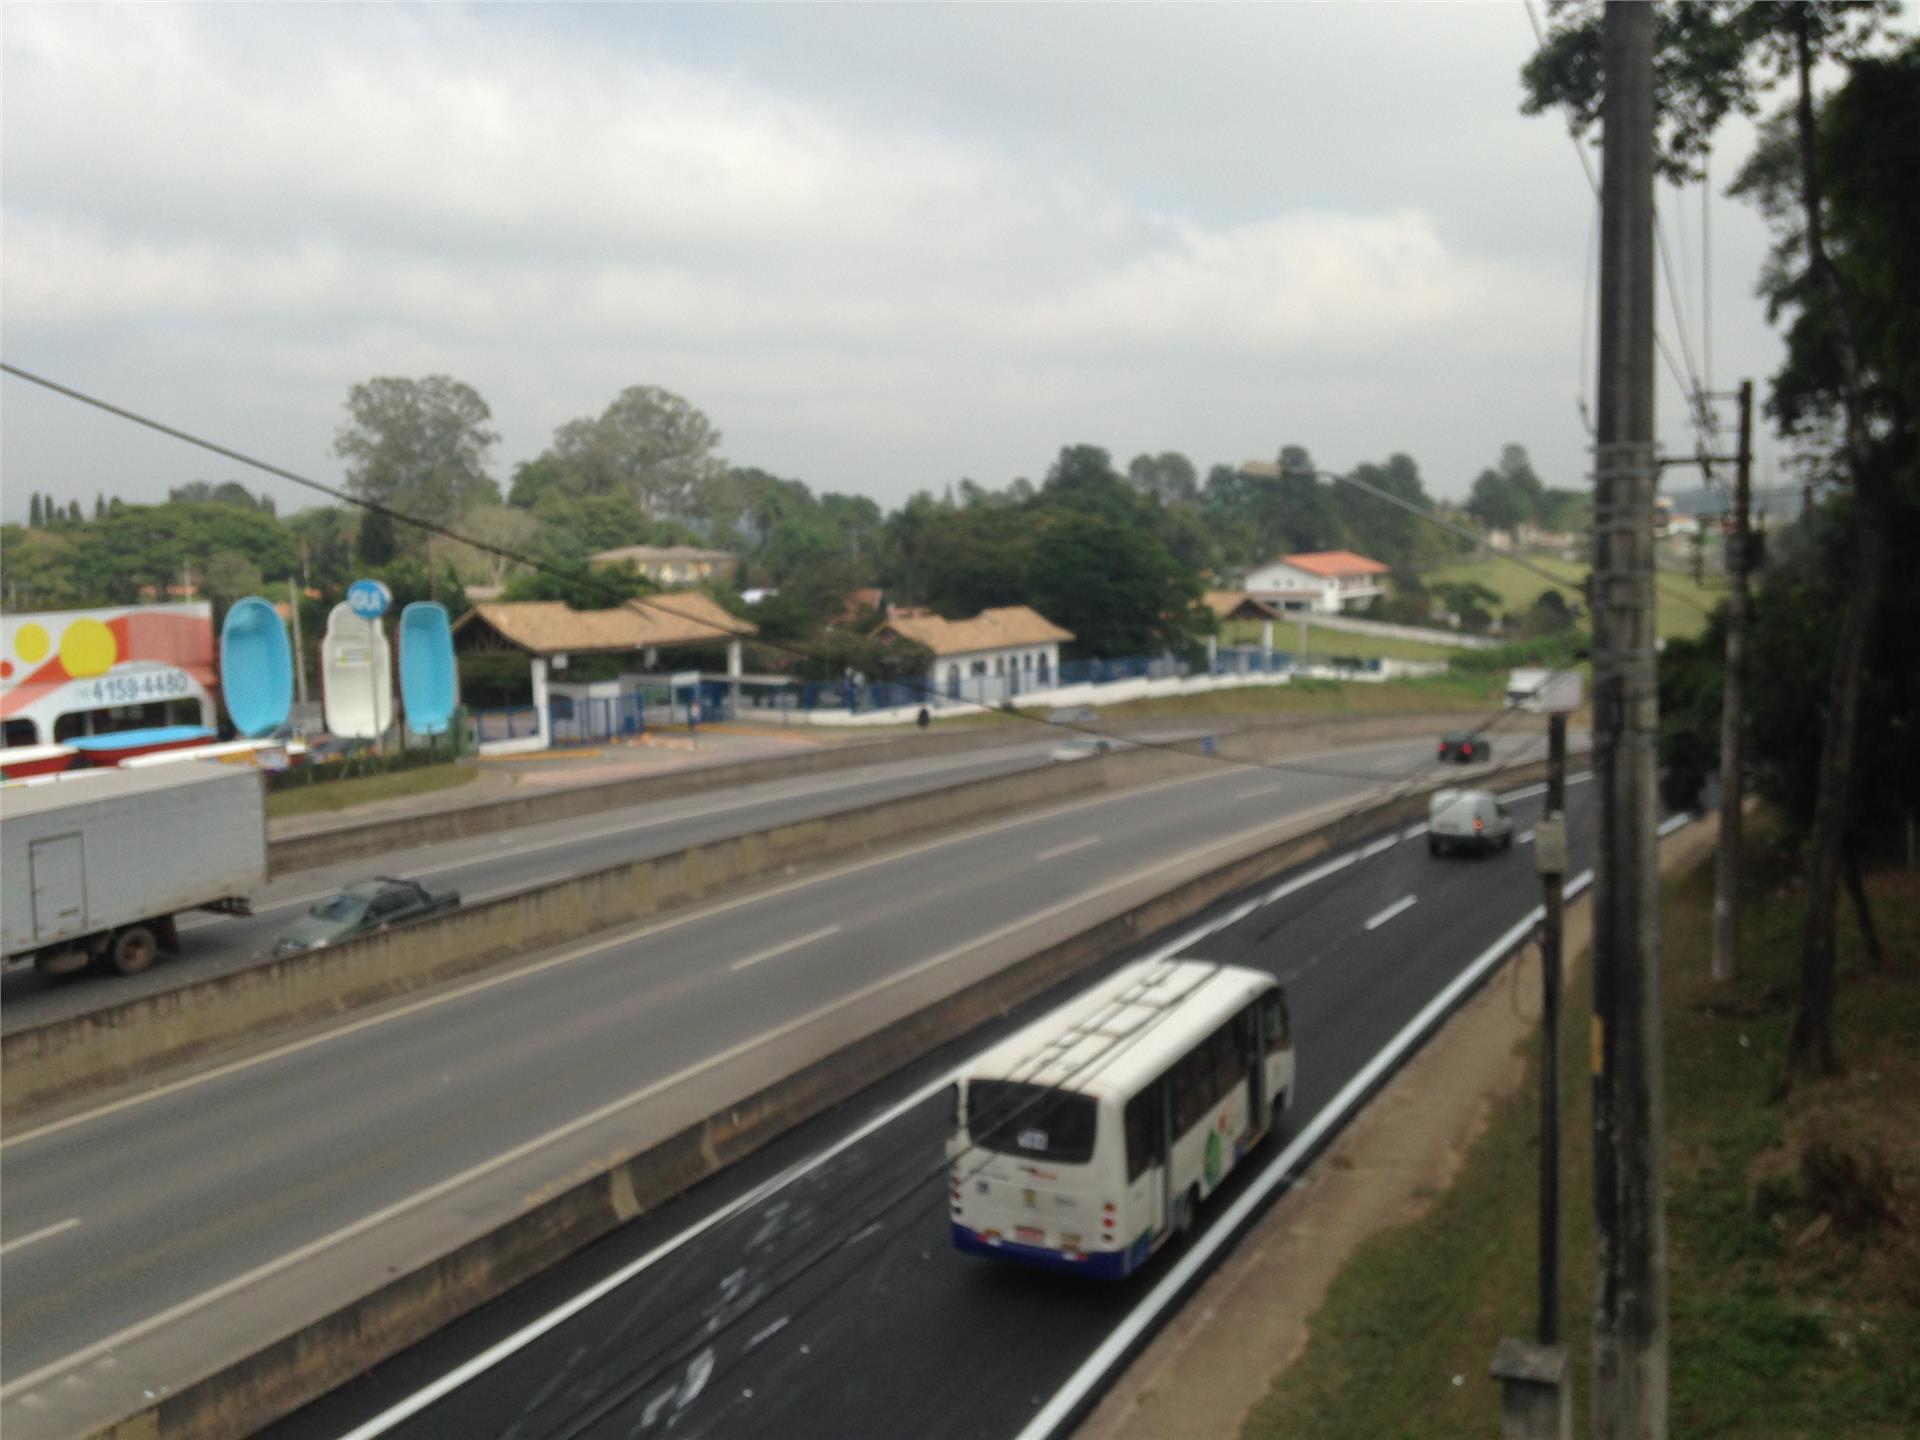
pixel 1681 606
pixel 364 790
pixel 1323 640
pixel 1794 1225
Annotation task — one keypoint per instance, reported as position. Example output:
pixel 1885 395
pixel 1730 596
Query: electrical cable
pixel 1409 778
pixel 650 602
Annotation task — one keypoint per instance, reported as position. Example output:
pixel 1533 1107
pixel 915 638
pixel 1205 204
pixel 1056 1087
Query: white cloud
pixel 871 270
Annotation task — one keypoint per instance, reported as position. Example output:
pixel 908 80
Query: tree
pixel 1116 588
pixel 1082 478
pixel 378 543
pixel 503 526
pixel 650 443
pixel 227 492
pixel 1495 503
pixel 1168 477
pixel 419 447
pixel 603 587
pixel 35 516
pixel 1471 603
pixel 1710 60
pixel 230 577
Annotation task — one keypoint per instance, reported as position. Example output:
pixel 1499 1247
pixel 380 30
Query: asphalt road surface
pixel 488 865
pixel 128 1233
pixel 813 1292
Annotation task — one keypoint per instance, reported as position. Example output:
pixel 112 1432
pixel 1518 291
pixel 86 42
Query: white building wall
pixel 1332 593
pixel 1038 667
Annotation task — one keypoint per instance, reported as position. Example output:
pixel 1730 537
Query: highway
pixel 814 1292
pixel 190 1220
pixel 488 865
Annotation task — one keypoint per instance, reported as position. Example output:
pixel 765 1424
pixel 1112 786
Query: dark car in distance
pixel 364 909
pixel 1464 747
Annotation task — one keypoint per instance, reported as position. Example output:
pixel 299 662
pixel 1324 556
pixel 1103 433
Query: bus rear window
pixel 1012 1117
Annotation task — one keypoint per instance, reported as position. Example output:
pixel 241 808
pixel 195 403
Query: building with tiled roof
pixel 671 564
pixel 549 632
pixel 1009 641
pixel 1328 581
pixel 548 627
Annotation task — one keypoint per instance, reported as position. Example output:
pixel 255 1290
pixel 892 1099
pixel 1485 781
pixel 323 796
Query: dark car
pixel 1465 747
pixel 363 909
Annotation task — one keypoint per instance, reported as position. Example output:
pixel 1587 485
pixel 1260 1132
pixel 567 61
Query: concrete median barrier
pixel 295 1368
pixel 352 840
pixel 64 1061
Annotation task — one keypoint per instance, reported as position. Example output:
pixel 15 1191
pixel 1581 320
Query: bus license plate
pixel 1029 1234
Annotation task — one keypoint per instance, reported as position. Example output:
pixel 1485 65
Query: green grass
pixel 1778 1330
pixel 1680 607
pixel 341 794
pixel 1324 697
pixel 1478 693
pixel 1323 640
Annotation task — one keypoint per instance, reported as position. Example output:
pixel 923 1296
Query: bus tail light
pixel 1478 824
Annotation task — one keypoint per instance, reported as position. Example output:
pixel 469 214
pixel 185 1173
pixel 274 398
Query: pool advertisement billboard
pixel 61 663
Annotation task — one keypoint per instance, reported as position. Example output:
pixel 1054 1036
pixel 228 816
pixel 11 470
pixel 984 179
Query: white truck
pixel 94 865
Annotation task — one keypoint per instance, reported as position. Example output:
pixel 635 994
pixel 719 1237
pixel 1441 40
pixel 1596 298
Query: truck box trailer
pixel 94 865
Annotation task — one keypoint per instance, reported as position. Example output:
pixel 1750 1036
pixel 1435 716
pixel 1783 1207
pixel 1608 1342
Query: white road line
pixel 1525 837
pixel 1257 792
pixel 608 941
pixel 613 1107
pixel 520 1339
pixel 1174 1283
pixel 784 947
pixel 1380 846
pixel 1405 902
pixel 1057 851
pixel 1413 832
pixel 1527 792
pixel 1673 823
pixel 22 1241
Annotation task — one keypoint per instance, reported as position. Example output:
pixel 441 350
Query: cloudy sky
pixel 881 247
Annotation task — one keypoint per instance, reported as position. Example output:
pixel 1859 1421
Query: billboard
pixel 87 662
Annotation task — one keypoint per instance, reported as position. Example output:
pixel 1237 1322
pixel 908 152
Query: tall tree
pixel 650 443
pixel 1712 59
pixel 35 516
pixel 420 447
pixel 1168 477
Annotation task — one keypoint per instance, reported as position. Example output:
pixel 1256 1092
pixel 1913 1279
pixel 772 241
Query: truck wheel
pixel 133 950
pixel 57 963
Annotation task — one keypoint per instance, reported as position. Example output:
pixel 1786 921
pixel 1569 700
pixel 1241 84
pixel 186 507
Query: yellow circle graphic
pixel 30 643
pixel 87 649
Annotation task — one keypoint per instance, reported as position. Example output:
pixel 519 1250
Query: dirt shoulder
pixel 1206 1370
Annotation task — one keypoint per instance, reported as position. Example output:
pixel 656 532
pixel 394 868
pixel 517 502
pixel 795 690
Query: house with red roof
pixel 1325 581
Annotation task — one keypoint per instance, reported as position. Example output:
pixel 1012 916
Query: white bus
pixel 1085 1140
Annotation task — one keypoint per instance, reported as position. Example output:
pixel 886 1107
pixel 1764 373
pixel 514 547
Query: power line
pixel 919 688
pixel 1690 387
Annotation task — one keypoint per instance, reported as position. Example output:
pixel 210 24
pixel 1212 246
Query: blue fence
pixel 514 724
pixel 584 722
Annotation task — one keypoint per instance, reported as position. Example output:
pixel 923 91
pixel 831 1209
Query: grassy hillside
pixel 1795 1308
pixel 1324 641
pixel 1681 607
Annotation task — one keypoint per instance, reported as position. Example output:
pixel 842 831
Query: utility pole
pixel 1629 1163
pixel 1550 856
pixel 299 650
pixel 1726 872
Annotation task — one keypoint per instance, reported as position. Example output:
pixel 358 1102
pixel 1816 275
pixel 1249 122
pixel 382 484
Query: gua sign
pixel 368 599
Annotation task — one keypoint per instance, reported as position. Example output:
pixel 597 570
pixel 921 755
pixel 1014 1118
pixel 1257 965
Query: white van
pixel 1467 820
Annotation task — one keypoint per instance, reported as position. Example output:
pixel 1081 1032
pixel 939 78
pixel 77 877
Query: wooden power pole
pixel 1630 1238
pixel 1726 873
